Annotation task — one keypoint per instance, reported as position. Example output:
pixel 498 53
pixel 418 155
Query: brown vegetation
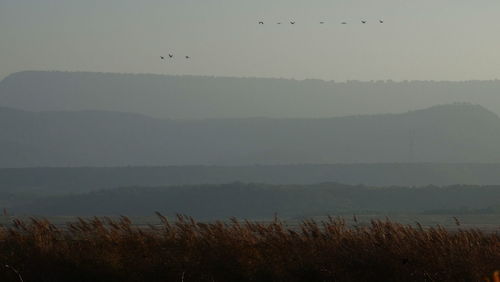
pixel 186 250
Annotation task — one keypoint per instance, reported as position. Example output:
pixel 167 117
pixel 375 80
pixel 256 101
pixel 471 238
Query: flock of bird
pixel 322 22
pixel 292 22
pixel 171 56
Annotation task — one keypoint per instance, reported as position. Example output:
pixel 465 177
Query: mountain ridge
pixel 446 133
pixel 187 97
pixel 454 107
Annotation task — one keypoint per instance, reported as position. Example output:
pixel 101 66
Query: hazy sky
pixel 421 39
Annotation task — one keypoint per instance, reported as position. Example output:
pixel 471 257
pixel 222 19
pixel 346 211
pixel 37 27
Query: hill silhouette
pixel 188 97
pixel 446 133
pixel 263 201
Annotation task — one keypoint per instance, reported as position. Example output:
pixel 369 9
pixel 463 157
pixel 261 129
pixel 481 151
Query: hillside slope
pixel 448 133
pixel 187 97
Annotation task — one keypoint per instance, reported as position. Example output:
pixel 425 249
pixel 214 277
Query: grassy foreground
pixel 186 250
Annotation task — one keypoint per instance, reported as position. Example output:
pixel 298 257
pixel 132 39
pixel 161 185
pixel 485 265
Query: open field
pixel 186 250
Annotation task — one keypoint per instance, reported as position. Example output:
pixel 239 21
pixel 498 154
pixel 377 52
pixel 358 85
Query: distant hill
pixel 187 97
pixel 263 201
pixel 447 133
pixel 50 181
pixel 20 186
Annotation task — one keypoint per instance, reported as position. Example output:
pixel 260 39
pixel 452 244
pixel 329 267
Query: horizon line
pixel 253 77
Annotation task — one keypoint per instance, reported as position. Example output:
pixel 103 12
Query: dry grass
pixel 186 250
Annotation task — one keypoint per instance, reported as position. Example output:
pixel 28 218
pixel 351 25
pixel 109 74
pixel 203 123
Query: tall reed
pixel 103 249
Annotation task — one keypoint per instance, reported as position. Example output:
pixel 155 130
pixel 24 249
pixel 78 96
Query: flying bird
pixel 381 21
pixel 261 22
pixel 278 23
pixel 187 57
pixel 363 22
pixel 344 23
pixel 321 22
pixel 161 57
pixel 292 22
pixel 170 55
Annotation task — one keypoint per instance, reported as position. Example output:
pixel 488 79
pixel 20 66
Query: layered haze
pixel 195 97
pixel 67 133
pixel 447 133
pixel 254 131
pixel 145 95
